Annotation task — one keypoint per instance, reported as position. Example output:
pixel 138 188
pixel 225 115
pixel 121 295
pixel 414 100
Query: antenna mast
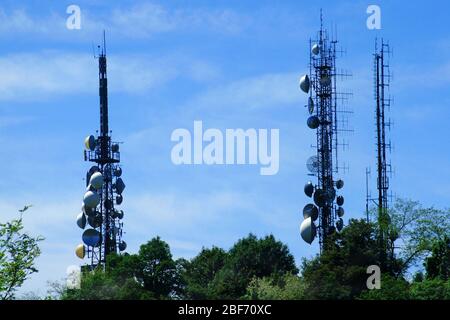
pixel 326 118
pixel 382 82
pixel 104 186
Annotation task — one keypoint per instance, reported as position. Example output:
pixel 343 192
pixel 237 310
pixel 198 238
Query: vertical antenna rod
pixel 103 91
pixel 382 78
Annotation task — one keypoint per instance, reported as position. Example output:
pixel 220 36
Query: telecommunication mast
pixel 100 219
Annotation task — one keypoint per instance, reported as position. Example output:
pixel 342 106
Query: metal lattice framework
pixel 326 119
pixel 104 187
pixel 382 78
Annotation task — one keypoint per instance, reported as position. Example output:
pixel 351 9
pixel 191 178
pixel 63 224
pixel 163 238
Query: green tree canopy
pixel 340 272
pixel 201 271
pixel 150 274
pixel 252 257
pixel 438 264
pixel 287 287
pixel 18 252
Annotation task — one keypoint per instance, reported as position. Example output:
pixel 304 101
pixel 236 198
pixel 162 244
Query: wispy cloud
pixel 19 21
pixel 39 75
pixel 142 20
pixel 262 91
pixel 146 19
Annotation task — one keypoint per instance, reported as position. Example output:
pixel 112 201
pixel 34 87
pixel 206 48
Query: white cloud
pixel 19 21
pixel 182 212
pixel 264 91
pixel 139 21
pixel 29 76
pixel 39 75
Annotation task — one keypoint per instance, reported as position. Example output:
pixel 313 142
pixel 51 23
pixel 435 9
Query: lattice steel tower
pixel 320 84
pixel 382 78
pixel 104 187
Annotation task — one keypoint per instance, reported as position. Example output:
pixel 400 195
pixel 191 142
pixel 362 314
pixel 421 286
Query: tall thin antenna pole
pixel 104 219
pixel 104 41
pixel 382 78
pixel 367 194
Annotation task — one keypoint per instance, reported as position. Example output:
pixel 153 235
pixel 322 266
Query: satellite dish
pixel 120 214
pixel 91 199
pixel 320 198
pixel 80 251
pixel 91 237
pixel 340 184
pixel 90 188
pixel 313 122
pixel 90 143
pixel 309 189
pixel 115 147
pixel 119 199
pixel 310 105
pixel 304 83
pixel 95 221
pixel 313 164
pixel 315 49
pixel 119 185
pixel 92 170
pixel 96 180
pixel 340 200
pixel 88 211
pixel 340 212
pixel 122 245
pixel 339 224
pixel 308 230
pixel 118 171
pixel 81 220
pixel 310 211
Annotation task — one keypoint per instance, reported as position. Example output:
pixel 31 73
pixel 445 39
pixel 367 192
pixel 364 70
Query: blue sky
pixel 231 64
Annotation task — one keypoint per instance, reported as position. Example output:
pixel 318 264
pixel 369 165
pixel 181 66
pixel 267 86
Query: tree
pixel 417 229
pixel 18 252
pixel 251 257
pixel 430 289
pixel 158 272
pixel 340 272
pixel 438 264
pixel 150 274
pixel 201 271
pixel 392 288
pixel 101 285
pixel 288 287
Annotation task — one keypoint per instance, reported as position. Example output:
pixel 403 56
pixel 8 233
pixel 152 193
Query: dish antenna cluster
pixel 324 215
pixel 99 217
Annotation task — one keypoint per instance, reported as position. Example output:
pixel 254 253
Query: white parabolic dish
pixel 308 230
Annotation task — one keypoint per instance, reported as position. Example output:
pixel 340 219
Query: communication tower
pixel 104 186
pixel 328 119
